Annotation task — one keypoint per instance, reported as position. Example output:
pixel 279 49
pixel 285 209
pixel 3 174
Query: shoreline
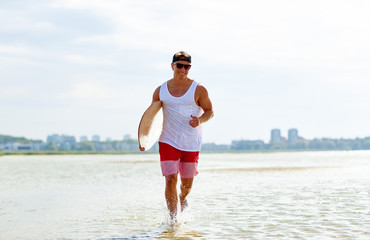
pixel 41 153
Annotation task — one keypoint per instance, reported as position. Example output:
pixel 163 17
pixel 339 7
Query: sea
pixel 281 195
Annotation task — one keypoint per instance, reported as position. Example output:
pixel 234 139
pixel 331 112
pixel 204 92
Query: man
pixel 186 105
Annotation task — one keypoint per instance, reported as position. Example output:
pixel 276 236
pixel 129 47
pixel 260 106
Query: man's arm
pixel 154 99
pixel 156 94
pixel 203 100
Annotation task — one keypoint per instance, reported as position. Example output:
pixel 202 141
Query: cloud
pixel 88 60
pixel 106 91
pixel 264 33
pixel 20 20
pixel 15 50
pixel 88 91
pixel 15 92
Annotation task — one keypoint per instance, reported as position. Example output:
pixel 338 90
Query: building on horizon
pixel 84 139
pixel 275 136
pixel 96 138
pixel 62 141
pixel 127 137
pixel 15 146
pixel 293 135
pixel 54 139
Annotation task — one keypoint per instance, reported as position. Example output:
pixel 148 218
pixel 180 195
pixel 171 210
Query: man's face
pixel 181 67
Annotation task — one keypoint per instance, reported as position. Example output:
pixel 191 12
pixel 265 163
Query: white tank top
pixel 177 131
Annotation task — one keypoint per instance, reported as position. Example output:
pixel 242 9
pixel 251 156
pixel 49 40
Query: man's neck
pixel 180 80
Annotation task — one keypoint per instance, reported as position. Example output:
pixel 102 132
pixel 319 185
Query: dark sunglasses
pixel 179 66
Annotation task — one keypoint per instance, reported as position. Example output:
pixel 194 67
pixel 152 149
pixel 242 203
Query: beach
pixel 285 195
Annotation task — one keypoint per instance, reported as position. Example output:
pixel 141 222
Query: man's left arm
pixel 205 103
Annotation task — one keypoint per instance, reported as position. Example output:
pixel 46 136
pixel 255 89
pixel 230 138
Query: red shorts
pixel 175 161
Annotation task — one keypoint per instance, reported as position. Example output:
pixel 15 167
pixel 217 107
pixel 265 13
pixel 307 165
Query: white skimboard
pixel 150 126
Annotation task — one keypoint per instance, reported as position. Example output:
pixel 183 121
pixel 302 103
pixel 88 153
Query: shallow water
pixel 303 195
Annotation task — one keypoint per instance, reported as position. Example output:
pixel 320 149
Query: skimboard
pixel 150 126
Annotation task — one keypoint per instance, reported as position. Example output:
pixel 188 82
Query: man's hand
pixel 194 122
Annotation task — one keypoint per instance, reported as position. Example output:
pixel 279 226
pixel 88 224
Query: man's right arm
pixel 156 95
pixel 155 98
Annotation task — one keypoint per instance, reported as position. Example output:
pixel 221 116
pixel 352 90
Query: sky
pixel 86 67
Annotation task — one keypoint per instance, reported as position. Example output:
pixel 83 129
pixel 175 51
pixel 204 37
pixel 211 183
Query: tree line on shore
pixel 10 139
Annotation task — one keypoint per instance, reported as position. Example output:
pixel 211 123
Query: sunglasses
pixel 179 66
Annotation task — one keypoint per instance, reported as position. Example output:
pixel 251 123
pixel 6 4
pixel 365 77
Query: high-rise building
pixel 83 139
pixel 62 141
pixel 54 139
pixel 96 138
pixel 127 137
pixel 293 135
pixel 275 136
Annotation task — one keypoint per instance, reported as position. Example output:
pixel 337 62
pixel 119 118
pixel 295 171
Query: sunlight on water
pixel 303 195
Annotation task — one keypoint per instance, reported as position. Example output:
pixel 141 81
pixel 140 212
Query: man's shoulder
pixel 163 84
pixel 200 88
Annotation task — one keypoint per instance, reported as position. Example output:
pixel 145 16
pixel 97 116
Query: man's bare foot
pixel 173 220
pixel 184 203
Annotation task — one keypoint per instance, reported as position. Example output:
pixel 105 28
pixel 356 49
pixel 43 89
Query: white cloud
pixel 264 33
pixel 17 63
pixel 15 92
pixel 19 20
pixel 88 60
pixel 89 91
pixel 15 50
pixel 41 26
pixel 104 91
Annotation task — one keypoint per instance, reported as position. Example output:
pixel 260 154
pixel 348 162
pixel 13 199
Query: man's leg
pixel 186 184
pixel 171 195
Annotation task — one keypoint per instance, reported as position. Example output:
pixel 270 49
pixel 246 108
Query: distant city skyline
pixel 276 136
pixel 276 133
pixel 64 143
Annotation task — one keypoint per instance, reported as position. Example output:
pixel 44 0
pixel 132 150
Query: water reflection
pixel 179 232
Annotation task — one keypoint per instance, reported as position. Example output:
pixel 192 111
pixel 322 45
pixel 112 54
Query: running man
pixel 186 105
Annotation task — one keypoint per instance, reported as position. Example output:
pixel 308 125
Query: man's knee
pixel 171 179
pixel 186 184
